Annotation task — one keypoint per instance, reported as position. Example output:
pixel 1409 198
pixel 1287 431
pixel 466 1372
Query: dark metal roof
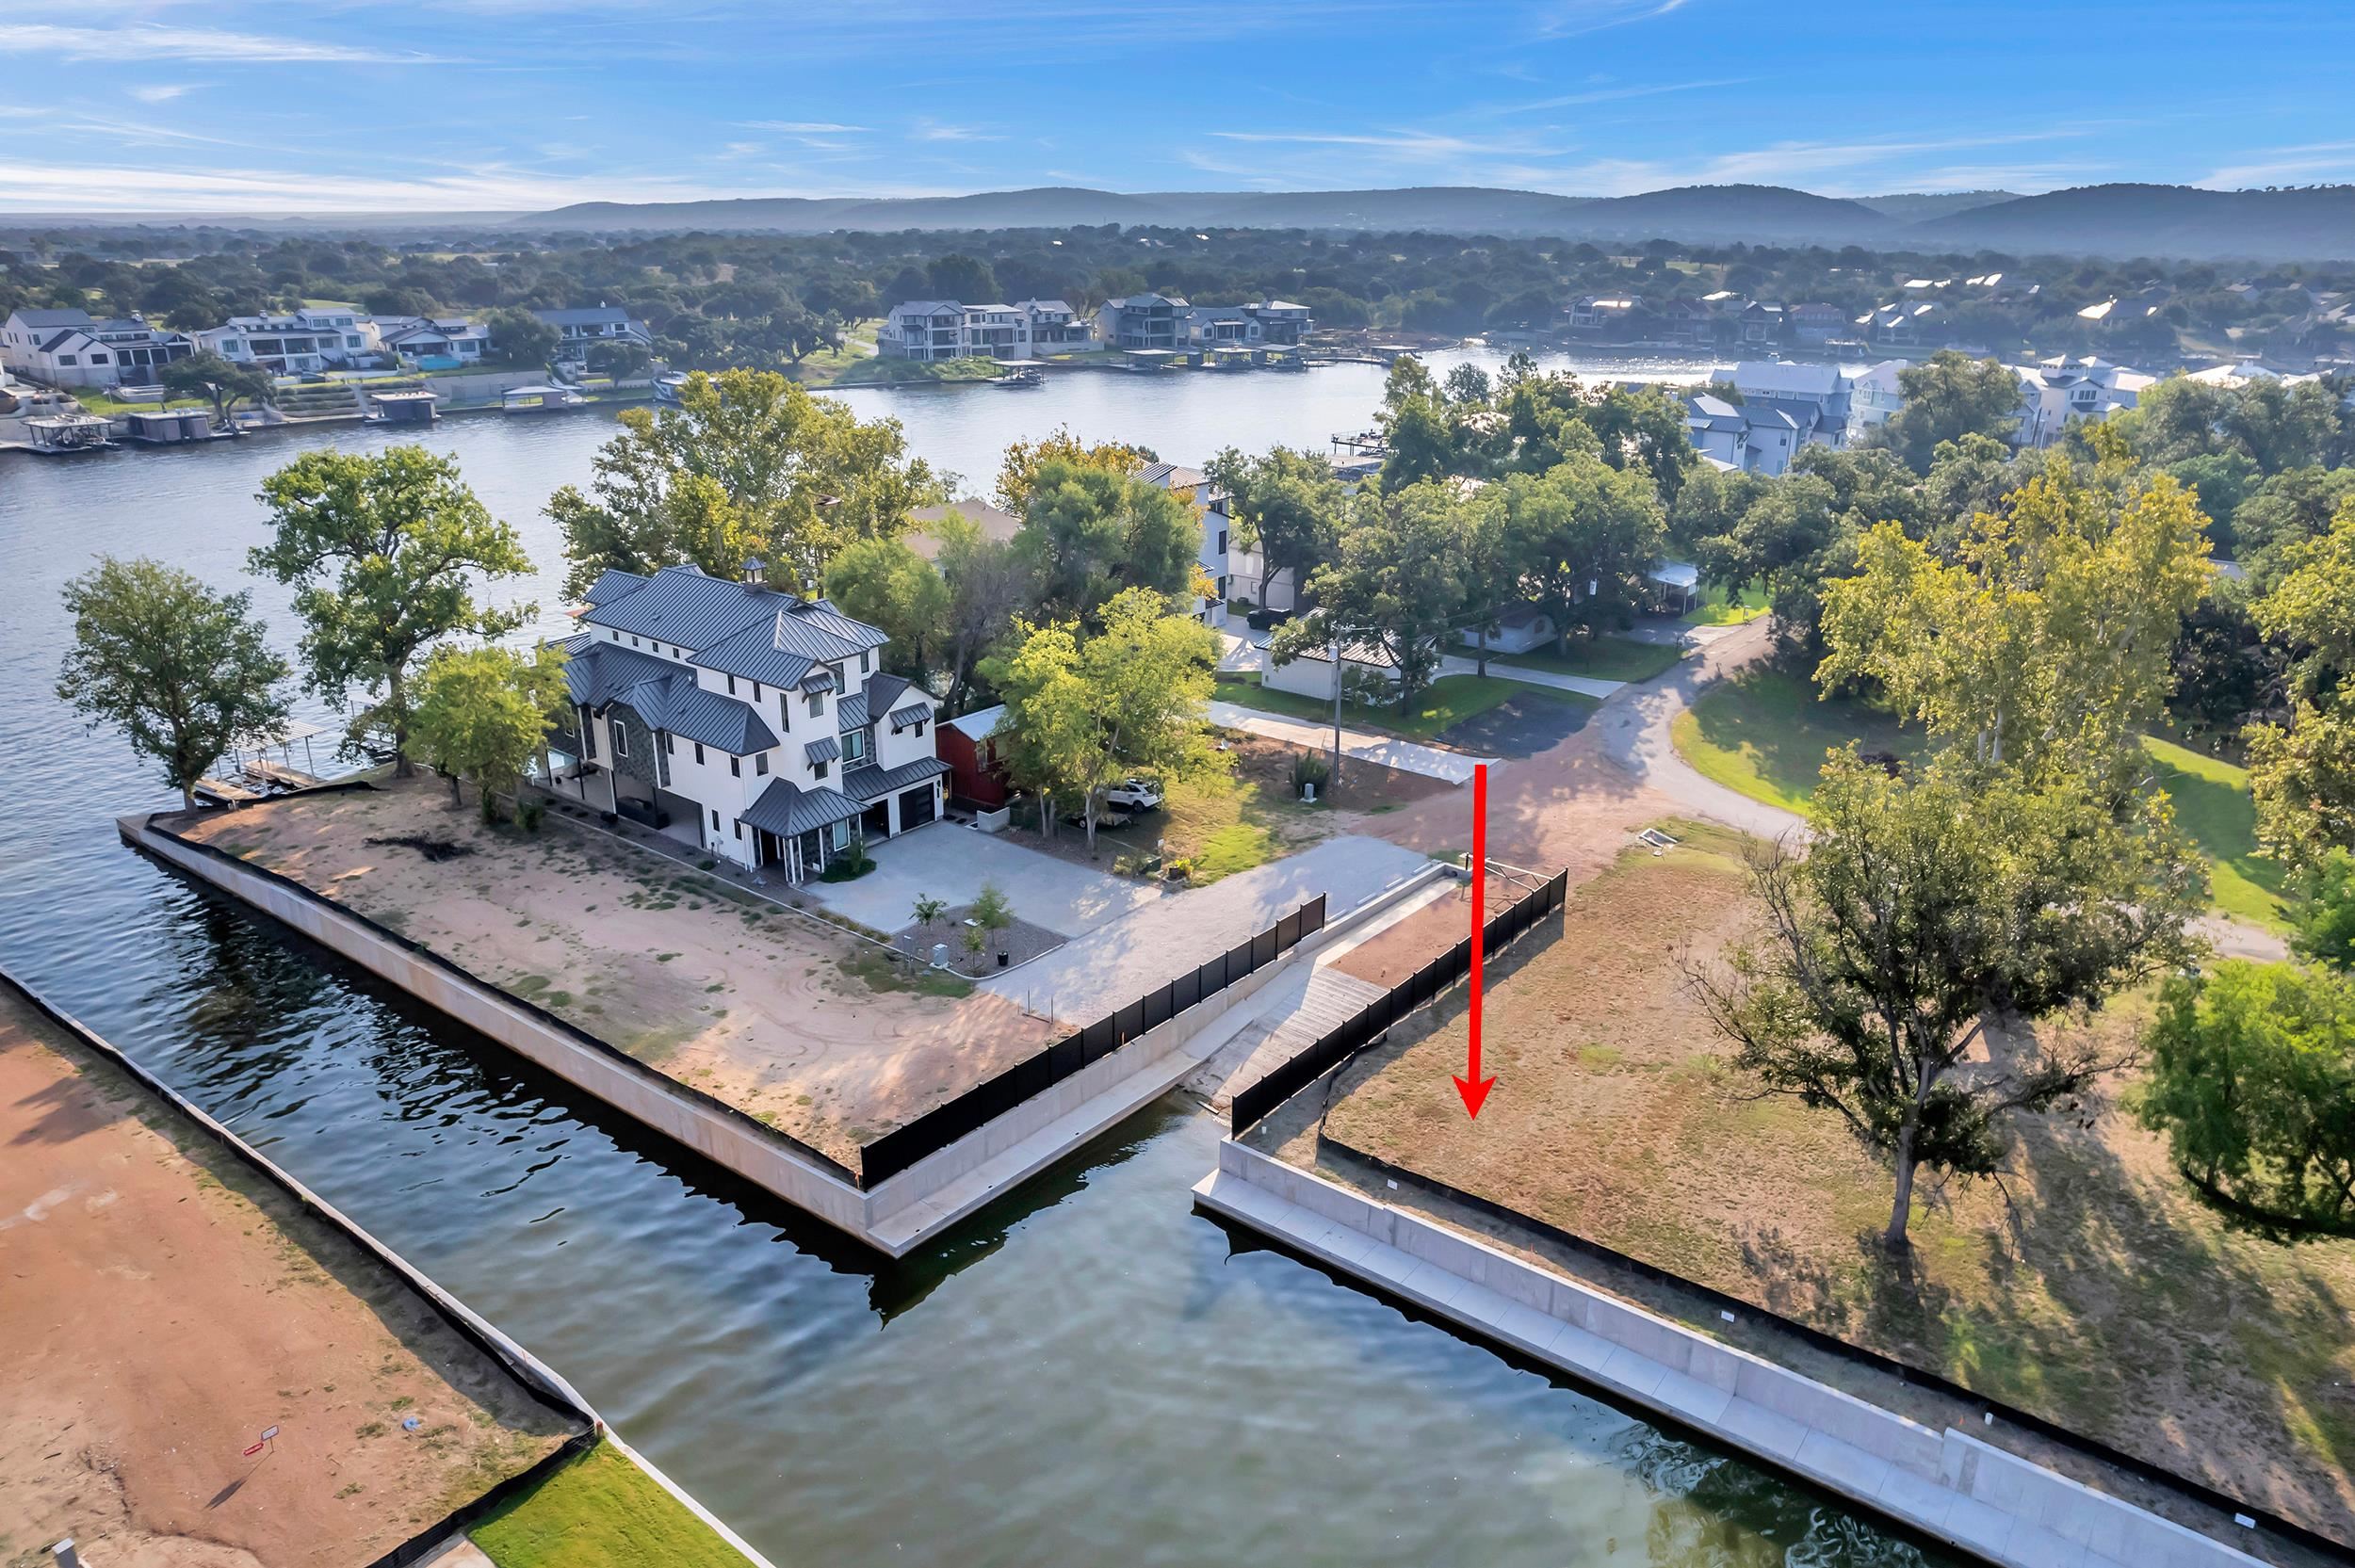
pixel 786 808
pixel 882 692
pixel 870 781
pixel 914 712
pixel 754 633
pixel 818 678
pixel 611 584
pixel 850 713
pixel 665 695
pixel 824 748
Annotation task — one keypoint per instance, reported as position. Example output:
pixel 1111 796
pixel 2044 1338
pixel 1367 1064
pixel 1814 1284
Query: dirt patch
pixel 801 1026
pixel 164 1306
pixel 2087 1284
pixel 1018 942
pixel 434 850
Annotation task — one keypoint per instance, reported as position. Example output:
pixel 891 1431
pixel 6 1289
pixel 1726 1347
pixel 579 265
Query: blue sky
pixel 471 105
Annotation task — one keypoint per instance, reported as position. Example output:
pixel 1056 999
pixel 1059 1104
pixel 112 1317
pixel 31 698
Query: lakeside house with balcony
pixel 68 349
pixel 296 343
pixel 755 725
pixel 1141 321
pixel 1213 508
pixel 928 329
pixel 579 330
pixel 451 340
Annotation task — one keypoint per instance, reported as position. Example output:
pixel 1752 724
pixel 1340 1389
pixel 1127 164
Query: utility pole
pixel 1337 715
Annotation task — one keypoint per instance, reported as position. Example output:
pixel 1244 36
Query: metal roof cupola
pixel 755 569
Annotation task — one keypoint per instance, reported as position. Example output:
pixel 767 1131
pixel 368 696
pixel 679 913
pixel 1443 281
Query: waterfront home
pixel 1214 507
pixel 1736 436
pixel 928 329
pixel 1816 323
pixel 1147 321
pixel 1622 317
pixel 66 347
pixel 1261 324
pixel 755 725
pixel 453 340
pixel 298 343
pixel 2057 389
pixel 579 330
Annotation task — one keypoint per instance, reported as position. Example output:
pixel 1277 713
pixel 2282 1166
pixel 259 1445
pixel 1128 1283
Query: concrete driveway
pixel 946 859
pixel 1390 750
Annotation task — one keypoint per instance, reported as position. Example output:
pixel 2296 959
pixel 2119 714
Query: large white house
pixel 582 327
pixel 2054 391
pixel 755 724
pixel 66 347
pixel 948 330
pixel 1736 437
pixel 310 339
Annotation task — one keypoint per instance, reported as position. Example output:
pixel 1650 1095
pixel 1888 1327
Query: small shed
pixel 1674 586
pixel 968 745
pixel 1521 629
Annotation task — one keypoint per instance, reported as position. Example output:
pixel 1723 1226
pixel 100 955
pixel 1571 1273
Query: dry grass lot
pixel 811 1031
pixel 161 1305
pixel 2087 1284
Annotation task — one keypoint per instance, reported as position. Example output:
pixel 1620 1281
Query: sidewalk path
pixel 1390 752
pixel 1586 686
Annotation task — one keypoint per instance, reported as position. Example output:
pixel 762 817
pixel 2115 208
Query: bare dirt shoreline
pixel 800 1027
pixel 161 1305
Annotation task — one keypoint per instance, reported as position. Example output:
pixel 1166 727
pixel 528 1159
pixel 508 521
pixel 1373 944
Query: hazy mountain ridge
pixel 2116 220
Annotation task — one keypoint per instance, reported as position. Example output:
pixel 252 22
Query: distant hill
pixel 1771 214
pixel 1921 206
pixel 2157 221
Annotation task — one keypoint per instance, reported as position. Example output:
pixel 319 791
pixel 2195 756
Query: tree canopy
pixel 1089 532
pixel 183 672
pixel 482 713
pixel 748 466
pixel 385 552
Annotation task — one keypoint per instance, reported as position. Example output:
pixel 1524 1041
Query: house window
pixel 760 765
pixel 755 691
pixel 670 747
pixel 633 640
pixel 740 831
pixel 785 713
pixel 817 769
pixel 621 739
pixel 862 661
pixel 817 704
pixel 853 745
pixel 1221 541
pixel 699 753
pixel 615 635
pixel 715 819
pixel 735 767
pixel 731 686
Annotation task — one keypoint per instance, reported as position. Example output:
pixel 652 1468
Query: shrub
pixel 1311 767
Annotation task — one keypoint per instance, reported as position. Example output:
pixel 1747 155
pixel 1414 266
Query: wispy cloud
pixel 190 43
pixel 2282 164
pixel 1827 168
pixel 1414 144
pixel 800 127
pixel 1569 18
pixel 929 130
pixel 161 93
pixel 1612 95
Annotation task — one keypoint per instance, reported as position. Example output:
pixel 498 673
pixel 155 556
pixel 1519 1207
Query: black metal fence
pixel 1254 1101
pixel 944 1124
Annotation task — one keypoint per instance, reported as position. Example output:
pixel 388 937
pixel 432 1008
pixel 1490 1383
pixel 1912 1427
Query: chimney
pixel 754 569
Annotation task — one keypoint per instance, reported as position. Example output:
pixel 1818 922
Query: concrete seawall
pixel 894 1217
pixel 1945 1485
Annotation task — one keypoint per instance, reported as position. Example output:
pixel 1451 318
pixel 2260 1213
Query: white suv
pixel 1135 795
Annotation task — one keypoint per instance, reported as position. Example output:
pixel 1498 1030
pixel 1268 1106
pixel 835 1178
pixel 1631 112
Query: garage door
pixel 916 807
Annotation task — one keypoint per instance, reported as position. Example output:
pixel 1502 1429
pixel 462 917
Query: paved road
pixel 1390 752
pixel 1635 734
pixel 1114 964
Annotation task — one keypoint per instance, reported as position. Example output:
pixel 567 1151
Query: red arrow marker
pixel 1471 1086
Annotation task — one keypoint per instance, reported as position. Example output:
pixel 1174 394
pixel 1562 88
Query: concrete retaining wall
pixel 1946 1485
pixel 736 1144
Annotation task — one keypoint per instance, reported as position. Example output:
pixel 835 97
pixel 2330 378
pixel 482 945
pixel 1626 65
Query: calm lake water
pixel 1087 1374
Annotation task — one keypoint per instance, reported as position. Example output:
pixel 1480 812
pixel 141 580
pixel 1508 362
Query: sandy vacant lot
pixel 808 1030
pixel 160 1305
pixel 2087 1284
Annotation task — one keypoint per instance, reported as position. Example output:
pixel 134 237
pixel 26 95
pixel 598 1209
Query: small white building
pixel 1310 674
pixel 753 724
pixel 66 347
pixel 302 342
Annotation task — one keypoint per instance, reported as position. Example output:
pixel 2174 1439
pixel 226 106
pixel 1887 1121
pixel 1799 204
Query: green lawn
pixel 1602 658
pixel 878 371
pixel 1441 706
pixel 600 1512
pixel 1765 737
pixel 2212 804
pixel 99 403
pixel 1718 609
